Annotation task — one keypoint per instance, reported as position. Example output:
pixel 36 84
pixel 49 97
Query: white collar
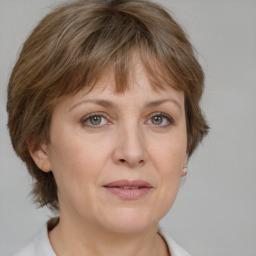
pixel 174 248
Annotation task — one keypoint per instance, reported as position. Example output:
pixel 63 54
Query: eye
pixel 94 120
pixel 160 119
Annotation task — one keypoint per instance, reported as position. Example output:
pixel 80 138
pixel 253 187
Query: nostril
pixel 122 160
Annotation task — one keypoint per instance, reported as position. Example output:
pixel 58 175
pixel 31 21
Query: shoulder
pixel 174 248
pixel 39 245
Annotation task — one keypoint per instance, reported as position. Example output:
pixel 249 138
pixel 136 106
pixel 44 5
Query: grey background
pixel 215 212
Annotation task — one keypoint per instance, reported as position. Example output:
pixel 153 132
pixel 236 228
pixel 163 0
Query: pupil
pixel 95 120
pixel 157 120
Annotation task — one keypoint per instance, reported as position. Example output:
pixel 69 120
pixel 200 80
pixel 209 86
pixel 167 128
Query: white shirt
pixel 40 245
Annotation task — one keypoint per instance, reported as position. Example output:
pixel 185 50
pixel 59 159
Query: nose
pixel 130 148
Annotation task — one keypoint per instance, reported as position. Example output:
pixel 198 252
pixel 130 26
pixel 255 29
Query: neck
pixel 76 239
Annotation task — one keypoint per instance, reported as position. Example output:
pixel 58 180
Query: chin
pixel 130 220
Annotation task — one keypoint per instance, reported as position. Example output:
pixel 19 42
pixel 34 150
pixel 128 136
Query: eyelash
pixel 86 118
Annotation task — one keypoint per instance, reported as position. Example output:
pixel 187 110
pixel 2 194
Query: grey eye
pixel 157 120
pixel 160 120
pixel 95 120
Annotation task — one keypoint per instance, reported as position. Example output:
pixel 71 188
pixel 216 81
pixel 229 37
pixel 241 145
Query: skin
pixel 126 143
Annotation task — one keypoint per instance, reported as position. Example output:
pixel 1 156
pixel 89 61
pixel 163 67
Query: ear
pixel 184 167
pixel 39 153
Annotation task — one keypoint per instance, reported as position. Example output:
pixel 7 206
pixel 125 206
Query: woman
pixel 103 107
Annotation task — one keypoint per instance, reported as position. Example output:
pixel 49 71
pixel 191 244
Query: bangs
pixel 110 37
pixel 122 64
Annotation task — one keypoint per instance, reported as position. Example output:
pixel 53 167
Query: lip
pixel 129 190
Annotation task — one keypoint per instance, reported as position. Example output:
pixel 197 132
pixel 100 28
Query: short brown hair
pixel 71 47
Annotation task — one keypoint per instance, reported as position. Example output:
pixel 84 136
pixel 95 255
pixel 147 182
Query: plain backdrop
pixel 215 211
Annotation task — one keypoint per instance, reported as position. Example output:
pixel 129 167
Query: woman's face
pixel 118 158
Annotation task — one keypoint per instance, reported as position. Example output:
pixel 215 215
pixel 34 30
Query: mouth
pixel 129 190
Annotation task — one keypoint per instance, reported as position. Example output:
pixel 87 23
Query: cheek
pixel 168 186
pixel 77 162
pixel 169 155
pixel 73 148
pixel 168 158
pixel 172 166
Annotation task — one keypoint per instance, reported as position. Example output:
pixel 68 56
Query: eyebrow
pixel 110 104
pixel 159 102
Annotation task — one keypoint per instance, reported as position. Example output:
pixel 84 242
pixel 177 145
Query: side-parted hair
pixel 70 49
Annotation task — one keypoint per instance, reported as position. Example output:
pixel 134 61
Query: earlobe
pixel 39 154
pixel 185 171
pixel 185 168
